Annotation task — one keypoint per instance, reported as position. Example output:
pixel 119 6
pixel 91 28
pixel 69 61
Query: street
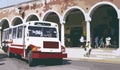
pixel 17 64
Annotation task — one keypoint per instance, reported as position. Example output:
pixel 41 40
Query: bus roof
pixel 42 23
pixel 37 23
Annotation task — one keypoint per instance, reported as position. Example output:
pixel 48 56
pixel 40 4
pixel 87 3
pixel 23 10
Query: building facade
pixel 76 18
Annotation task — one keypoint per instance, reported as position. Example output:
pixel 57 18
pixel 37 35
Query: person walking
pixel 88 49
pixel 96 41
pixel 101 42
pixel 82 42
pixel 108 39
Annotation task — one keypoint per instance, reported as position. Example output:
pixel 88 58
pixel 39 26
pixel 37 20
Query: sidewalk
pixel 2 54
pixel 106 55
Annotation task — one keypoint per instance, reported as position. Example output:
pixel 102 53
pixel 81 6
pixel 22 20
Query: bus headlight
pixel 35 48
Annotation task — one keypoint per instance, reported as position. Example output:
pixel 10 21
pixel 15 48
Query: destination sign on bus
pixel 42 24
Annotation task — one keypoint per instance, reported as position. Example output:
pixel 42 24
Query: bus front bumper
pixel 49 55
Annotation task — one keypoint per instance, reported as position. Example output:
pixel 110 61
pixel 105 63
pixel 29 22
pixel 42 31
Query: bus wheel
pixel 59 61
pixel 10 55
pixel 30 59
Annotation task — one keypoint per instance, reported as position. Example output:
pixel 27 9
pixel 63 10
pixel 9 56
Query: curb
pixel 2 52
pixel 93 59
pixel 102 60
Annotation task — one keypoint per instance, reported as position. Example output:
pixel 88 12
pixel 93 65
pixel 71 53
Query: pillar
pixel 0 37
pixel 62 34
pixel 87 20
pixel 119 36
pixel 118 50
pixel 88 31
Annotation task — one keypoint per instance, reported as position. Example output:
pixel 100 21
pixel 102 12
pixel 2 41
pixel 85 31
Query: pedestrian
pixel 82 42
pixel 108 39
pixel 96 41
pixel 88 49
pixel 101 42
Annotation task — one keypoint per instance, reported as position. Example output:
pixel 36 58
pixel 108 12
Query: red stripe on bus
pixel 16 50
pixel 49 55
pixel 19 45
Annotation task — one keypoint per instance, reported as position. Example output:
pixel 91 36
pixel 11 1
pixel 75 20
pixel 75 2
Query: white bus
pixel 34 40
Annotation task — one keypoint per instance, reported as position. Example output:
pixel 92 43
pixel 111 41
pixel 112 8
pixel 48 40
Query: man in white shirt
pixel 108 41
pixel 82 42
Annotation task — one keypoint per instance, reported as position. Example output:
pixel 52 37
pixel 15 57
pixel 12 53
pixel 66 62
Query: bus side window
pixel 10 32
pixel 14 33
pixel 19 32
pixel 7 34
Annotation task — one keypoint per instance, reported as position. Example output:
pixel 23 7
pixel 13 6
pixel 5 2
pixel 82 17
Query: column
pixel 0 36
pixel 118 50
pixel 62 34
pixel 119 35
pixel 88 31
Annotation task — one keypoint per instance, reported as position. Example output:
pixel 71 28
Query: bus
pixel 34 40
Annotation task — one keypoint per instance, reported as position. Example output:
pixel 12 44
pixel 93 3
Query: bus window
pixel 6 34
pixel 19 32
pixel 42 32
pixel 10 31
pixel 14 33
pixel 35 31
pixel 50 32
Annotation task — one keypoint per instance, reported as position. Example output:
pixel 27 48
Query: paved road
pixel 68 64
pixel 17 64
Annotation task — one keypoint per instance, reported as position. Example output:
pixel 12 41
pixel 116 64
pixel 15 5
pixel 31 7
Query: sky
pixel 5 3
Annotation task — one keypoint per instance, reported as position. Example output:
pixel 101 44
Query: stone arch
pixel 4 23
pixel 16 21
pixel 51 12
pixel 32 17
pixel 70 9
pixel 109 21
pixel 75 26
pixel 94 7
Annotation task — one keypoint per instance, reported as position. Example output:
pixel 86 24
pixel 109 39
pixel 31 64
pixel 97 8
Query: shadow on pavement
pixel 2 56
pixel 46 62
pixel 50 62
pixel 2 63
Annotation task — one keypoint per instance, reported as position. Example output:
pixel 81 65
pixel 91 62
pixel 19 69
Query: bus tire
pixel 59 61
pixel 30 59
pixel 10 55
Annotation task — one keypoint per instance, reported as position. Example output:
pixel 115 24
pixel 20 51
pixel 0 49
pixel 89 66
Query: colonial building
pixel 75 18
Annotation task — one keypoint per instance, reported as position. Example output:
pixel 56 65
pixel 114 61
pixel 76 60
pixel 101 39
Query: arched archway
pixel 17 21
pixel 32 17
pixel 105 23
pixel 4 23
pixel 75 26
pixel 53 16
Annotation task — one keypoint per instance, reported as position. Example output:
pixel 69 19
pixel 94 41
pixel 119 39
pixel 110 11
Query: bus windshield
pixel 42 32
